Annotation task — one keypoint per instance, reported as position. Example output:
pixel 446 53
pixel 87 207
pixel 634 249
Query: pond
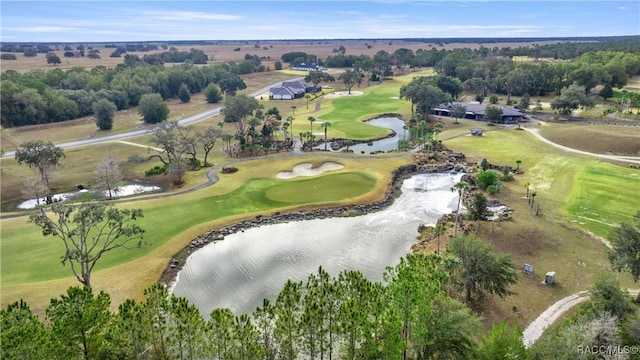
pixel 118 192
pixel 246 267
pixel 384 145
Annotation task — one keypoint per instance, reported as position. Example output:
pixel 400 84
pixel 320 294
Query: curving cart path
pixel 553 312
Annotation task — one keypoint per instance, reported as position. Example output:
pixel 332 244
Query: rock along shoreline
pixel 170 274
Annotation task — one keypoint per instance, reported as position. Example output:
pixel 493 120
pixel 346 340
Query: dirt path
pixel 553 312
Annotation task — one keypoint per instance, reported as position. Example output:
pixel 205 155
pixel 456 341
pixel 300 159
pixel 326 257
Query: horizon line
pixel 449 39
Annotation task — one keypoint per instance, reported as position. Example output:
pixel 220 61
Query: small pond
pixel 384 145
pixel 118 192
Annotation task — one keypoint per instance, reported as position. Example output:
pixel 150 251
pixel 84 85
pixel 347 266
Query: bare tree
pixel 108 174
pixel 35 187
pixel 88 231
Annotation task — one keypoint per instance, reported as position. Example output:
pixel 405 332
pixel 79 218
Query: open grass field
pixel 269 51
pixel 610 139
pixel 380 99
pixel 126 120
pixel 171 224
pixel 561 180
pixel 578 196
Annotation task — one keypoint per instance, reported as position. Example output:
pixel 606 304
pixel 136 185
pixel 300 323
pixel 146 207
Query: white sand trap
pixel 306 170
pixel 344 93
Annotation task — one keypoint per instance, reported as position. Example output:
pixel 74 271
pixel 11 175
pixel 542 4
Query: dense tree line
pixel 609 64
pixel 39 97
pixel 22 48
pixel 348 316
pixel 196 56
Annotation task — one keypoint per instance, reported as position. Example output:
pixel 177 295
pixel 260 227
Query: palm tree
pixel 422 126
pixel 533 197
pixel 437 129
pixel 285 127
pixel 439 229
pixel 227 138
pixel 450 264
pixel 526 186
pixel 311 121
pixel 290 121
pixel 253 122
pixel 325 125
pixel 348 143
pixel 460 187
pixel 518 162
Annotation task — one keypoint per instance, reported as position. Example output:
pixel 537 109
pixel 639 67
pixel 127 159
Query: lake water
pixel 386 144
pixel 246 267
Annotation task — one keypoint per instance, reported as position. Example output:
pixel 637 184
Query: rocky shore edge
pixel 169 275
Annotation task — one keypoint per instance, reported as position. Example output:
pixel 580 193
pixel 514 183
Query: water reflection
pixel 384 145
pixel 246 267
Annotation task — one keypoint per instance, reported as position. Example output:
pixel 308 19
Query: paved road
pixel 130 134
pixel 553 312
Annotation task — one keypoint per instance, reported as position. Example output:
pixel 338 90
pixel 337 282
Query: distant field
pixel 610 139
pixel 268 51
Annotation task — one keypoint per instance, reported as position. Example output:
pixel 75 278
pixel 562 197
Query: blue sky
pixel 117 20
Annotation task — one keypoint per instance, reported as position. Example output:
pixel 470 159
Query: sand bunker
pixel 343 93
pixel 306 170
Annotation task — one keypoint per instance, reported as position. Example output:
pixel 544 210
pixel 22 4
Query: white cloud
pixel 191 16
pixel 454 30
pixel 44 29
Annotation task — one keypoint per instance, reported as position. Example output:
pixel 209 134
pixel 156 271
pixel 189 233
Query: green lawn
pixel 595 195
pixel 603 196
pixel 27 256
pixel 347 113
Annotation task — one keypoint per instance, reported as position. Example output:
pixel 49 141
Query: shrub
pixel 508 177
pixel 229 170
pixel 484 164
pixel 183 94
pixel 195 163
pixel 493 99
pixel 212 93
pixel 492 189
pixel 486 179
pixel 156 170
